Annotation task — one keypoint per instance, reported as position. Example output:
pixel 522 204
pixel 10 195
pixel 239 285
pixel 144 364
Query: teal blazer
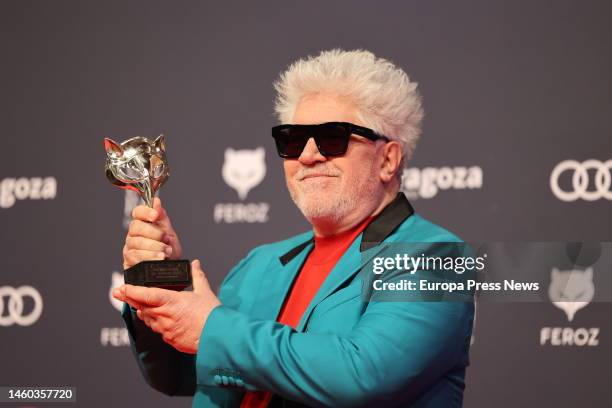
pixel 345 352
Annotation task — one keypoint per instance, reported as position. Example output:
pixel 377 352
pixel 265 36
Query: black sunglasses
pixel 332 138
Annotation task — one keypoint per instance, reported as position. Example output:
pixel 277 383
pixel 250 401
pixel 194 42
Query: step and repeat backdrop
pixel 517 146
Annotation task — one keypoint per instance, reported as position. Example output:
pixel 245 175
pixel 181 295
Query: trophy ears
pixel 112 148
pixel 160 143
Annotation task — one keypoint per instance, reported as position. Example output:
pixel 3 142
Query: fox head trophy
pixel 137 164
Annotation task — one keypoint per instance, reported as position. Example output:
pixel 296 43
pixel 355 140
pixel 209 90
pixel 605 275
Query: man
pixel 289 327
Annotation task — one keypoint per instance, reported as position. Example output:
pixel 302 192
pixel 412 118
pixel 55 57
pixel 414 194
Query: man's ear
pixel 392 157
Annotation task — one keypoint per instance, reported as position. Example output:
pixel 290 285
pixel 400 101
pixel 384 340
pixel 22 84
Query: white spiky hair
pixel 386 100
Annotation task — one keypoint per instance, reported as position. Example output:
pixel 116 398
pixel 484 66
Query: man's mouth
pixel 315 175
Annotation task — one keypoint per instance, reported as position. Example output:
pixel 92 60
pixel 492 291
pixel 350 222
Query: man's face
pixel 330 189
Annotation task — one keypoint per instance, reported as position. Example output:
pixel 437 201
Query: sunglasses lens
pixel 290 141
pixel 332 139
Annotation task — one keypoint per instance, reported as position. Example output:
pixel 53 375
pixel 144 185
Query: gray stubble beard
pixel 334 207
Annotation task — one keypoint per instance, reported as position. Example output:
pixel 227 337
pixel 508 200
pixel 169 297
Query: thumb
pixel 162 216
pixel 157 204
pixel 200 283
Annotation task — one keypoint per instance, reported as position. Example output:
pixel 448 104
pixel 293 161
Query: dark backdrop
pixel 511 90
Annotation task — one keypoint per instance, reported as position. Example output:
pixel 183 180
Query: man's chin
pixel 317 212
pixel 321 206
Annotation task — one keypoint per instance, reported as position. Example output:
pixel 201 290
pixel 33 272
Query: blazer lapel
pixel 348 265
pixel 277 282
pixel 281 272
pixel 361 250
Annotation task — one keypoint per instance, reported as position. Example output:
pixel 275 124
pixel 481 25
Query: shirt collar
pixel 380 228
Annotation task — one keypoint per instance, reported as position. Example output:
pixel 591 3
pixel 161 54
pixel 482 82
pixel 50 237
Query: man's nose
pixel 311 153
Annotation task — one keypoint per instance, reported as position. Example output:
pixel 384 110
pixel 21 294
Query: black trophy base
pixel 167 274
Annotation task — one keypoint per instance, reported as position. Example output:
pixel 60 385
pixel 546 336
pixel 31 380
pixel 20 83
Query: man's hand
pixel 178 316
pixel 150 236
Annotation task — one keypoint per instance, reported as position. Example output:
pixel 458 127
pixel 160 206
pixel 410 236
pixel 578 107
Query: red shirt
pixel 326 253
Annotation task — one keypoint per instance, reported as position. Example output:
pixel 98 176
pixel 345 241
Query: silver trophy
pixel 140 164
pixel 137 164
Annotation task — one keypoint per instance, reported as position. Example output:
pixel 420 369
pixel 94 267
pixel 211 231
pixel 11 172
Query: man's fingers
pixel 147 320
pixel 119 294
pixel 140 228
pixel 200 283
pixel 136 305
pixel 142 243
pixel 162 218
pixel 144 213
pixel 147 296
pixel 162 324
pixel 156 312
pixel 157 323
pixel 134 256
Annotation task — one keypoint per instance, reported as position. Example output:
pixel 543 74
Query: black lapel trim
pixel 285 259
pixel 387 221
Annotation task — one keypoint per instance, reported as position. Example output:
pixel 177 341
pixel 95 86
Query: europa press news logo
pixel 243 170
pixel 428 181
pixel 570 290
pixel 21 306
pixel 24 188
pixel 589 180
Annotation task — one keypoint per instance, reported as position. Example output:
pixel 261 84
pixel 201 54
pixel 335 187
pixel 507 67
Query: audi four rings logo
pixel 580 180
pixel 15 301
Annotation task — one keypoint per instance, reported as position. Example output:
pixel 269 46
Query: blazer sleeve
pixel 397 350
pixel 163 367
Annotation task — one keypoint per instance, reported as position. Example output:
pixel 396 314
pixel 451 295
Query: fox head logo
pixel 571 290
pixel 116 281
pixel 244 169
